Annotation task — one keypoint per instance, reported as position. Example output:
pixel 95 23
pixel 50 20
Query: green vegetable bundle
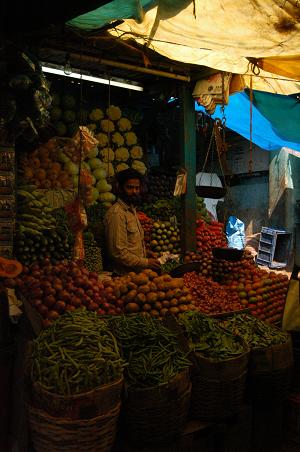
pixel 76 354
pixel 208 338
pixel 255 332
pixel 150 349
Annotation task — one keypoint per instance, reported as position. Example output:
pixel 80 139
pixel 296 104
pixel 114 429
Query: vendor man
pixel 124 234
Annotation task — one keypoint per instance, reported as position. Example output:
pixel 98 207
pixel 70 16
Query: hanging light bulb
pixel 67 66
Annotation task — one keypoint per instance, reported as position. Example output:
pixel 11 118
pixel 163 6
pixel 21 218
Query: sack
pixel 291 316
pixel 235 233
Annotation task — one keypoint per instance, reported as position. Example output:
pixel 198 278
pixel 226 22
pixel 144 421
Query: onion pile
pixel 66 286
pixel 211 297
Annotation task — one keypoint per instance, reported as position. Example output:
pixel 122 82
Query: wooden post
pixel 188 161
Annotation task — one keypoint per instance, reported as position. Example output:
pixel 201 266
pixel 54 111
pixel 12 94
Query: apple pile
pixel 65 286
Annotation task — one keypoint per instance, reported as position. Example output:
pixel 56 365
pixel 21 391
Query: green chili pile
pixel 77 353
pixel 207 338
pixel 255 332
pixel 150 350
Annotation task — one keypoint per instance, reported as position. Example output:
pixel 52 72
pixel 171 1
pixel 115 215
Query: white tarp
pixel 221 34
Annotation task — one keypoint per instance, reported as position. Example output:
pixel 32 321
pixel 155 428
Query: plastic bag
pixel 235 233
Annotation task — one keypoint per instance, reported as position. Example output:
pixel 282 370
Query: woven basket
pixel 86 405
pixel 270 373
pixel 218 387
pixel 157 415
pixel 53 434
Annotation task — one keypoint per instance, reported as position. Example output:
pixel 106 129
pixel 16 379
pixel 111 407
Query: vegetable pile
pixel 209 235
pixel 207 338
pixel 92 254
pixel 263 292
pixel 165 236
pixel 147 224
pixel 66 286
pixel 255 332
pixel 150 294
pixel 150 350
pixel 211 297
pixel 76 354
pixel 39 233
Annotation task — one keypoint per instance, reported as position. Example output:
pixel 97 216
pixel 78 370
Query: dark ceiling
pixel 41 30
pixel 18 17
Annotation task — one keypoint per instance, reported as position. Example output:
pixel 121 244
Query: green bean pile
pixel 150 350
pixel 206 337
pixel 255 332
pixel 77 353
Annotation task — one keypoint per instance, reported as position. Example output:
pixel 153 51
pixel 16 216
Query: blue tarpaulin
pixel 114 10
pixel 237 114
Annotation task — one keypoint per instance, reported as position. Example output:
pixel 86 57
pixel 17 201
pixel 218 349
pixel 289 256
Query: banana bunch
pixel 34 214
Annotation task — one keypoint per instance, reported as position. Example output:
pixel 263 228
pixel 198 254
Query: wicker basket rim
pixel 81 394
pixel 214 360
pixel 161 385
pixel 68 420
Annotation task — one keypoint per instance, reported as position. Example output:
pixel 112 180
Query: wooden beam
pixel 188 161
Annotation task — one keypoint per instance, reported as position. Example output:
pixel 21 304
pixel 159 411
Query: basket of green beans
pixel 157 383
pixel 77 368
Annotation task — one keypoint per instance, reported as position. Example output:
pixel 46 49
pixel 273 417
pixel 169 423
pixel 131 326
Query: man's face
pixel 132 190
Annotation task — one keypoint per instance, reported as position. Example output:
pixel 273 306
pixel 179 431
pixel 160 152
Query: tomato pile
pixel 211 297
pixel 147 224
pixel 261 291
pixel 209 235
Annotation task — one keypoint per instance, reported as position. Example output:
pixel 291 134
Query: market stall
pixel 140 357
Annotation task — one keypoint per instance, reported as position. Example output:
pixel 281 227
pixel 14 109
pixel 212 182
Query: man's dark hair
pixel 129 173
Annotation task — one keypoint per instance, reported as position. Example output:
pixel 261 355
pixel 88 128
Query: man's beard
pixel 135 200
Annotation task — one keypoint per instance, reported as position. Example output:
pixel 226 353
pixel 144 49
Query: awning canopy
pixel 219 33
pixel 267 133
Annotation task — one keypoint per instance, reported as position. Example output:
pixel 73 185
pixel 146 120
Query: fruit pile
pixel 192 256
pixel 162 209
pixel 263 292
pixel 64 115
pixel 147 224
pixel 43 168
pixel 165 237
pixel 161 187
pixel 148 293
pixel 65 286
pixel 211 297
pixel 201 210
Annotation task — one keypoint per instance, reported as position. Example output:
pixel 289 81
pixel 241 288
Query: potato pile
pixel 150 294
